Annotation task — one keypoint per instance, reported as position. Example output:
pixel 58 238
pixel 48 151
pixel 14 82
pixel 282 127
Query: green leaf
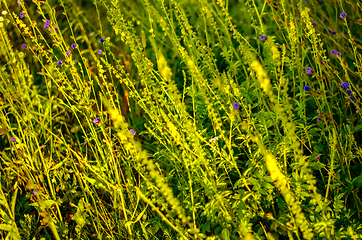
pixel 6 227
pixel 316 165
pixel 357 181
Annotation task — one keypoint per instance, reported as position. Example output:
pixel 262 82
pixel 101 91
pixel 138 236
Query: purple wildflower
pixel 47 22
pixel 46 26
pixel 56 29
pixel 102 40
pixel 345 85
pixel 333 32
pixel 22 15
pixel 319 118
pixel 100 51
pixel 59 62
pixel 306 88
pixel 68 53
pixel 339 54
pixel 309 70
pixel 34 192
pixel 236 105
pixel 313 24
pixel 325 20
pixel 317 158
pixel 349 92
pixel 262 37
pixel 13 139
pixel 132 131
pixel 74 45
pixel 346 32
pixel 334 52
pixel 342 15
pixel 24 46
pixel 96 120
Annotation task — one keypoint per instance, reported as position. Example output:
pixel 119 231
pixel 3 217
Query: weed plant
pixel 180 119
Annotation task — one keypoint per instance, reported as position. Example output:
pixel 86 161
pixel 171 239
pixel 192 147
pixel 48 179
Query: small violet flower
pixel 333 52
pixel 349 92
pixel 34 192
pixel 47 22
pixel 13 139
pixel 24 46
pixel 319 118
pixel 132 131
pixel 96 120
pixel 342 15
pixel 262 37
pixel 309 70
pixel 68 53
pixel 317 158
pixel 56 29
pixel 100 51
pixel 22 15
pixel 306 88
pixel 236 105
pixel 333 32
pixel 59 62
pixel 345 85
pixel 339 54
pixel 73 45
pixel 102 40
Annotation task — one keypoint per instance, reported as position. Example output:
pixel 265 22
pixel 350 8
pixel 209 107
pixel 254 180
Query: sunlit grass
pixel 180 120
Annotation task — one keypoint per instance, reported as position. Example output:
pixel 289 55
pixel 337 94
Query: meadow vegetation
pixel 180 119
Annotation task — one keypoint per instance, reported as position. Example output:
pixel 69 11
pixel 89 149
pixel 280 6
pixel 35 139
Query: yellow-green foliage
pixel 180 119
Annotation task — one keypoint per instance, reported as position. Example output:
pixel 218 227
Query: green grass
pixel 228 142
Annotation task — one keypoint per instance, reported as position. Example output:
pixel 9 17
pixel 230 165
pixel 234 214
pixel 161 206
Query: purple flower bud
pixel 102 40
pixel 262 37
pixel 59 63
pixel 96 120
pixel 317 158
pixel 56 29
pixel 236 105
pixel 100 52
pixel 47 22
pixel 34 192
pixel 333 52
pixel 349 92
pixel 333 32
pixel 13 139
pixel 132 131
pixel 22 15
pixel 339 54
pixel 306 88
pixel 24 46
pixel 345 85
pixel 319 118
pixel 68 53
pixel 342 15
pixel 74 45
pixel 309 70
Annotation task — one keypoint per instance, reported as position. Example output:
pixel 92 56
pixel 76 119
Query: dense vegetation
pixel 180 119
